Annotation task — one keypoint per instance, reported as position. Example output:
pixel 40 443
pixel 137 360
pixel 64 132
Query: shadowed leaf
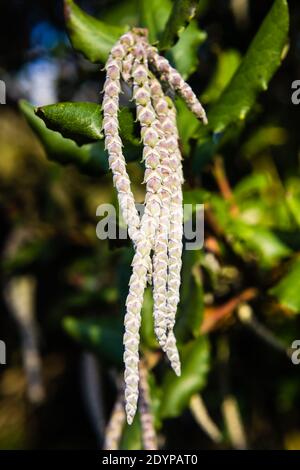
pixel 102 335
pixel 177 391
pixel 182 13
pixel 287 290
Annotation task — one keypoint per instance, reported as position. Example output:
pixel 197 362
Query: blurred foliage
pixel 243 167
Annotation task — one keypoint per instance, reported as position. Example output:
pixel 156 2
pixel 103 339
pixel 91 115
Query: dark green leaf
pixel 88 35
pixel 91 159
pixel 147 326
pixel 227 64
pixel 187 124
pixel 255 71
pixel 191 307
pixel 182 13
pixel 81 122
pixel 253 242
pixel 259 243
pixel 185 53
pixel 287 291
pixel 177 391
pixel 293 198
pixel 102 335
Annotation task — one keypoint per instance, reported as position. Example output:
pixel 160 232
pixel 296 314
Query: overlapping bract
pixel 157 235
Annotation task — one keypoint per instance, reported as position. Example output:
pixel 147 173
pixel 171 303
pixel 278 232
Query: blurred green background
pixel 63 290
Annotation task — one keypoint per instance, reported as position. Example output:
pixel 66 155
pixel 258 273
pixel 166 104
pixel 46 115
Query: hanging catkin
pixel 157 236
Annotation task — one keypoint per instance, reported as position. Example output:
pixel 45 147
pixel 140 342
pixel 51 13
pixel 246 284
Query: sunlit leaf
pixel 91 159
pixel 258 243
pixel 82 122
pixel 92 37
pixel 191 307
pixel 147 326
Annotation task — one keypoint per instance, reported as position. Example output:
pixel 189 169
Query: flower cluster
pixel 157 235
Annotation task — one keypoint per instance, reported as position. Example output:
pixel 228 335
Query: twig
pixel 229 407
pixel 200 413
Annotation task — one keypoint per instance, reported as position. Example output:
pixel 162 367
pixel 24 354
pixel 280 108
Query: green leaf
pixel 177 391
pixel 287 290
pixel 123 13
pixel 255 242
pixel 252 242
pixel 293 198
pixel 102 335
pixel 132 435
pixel 92 37
pixel 155 399
pixel 153 16
pixel 191 307
pixel 147 326
pixel 182 13
pixel 184 54
pixel 255 71
pixel 91 159
pixel 227 64
pixel 81 122
pixel 187 124
pixel 263 139
pixel 252 185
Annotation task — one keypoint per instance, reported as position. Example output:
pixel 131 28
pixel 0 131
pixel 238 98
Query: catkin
pixel 113 143
pixel 155 157
pixel 141 261
pixel 173 77
pixel 164 236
